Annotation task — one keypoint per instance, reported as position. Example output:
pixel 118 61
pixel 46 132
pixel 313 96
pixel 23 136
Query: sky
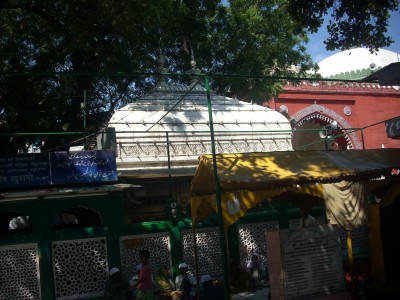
pixel 317 50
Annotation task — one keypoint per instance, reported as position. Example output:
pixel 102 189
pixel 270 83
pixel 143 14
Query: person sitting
pixel 116 288
pixel 210 291
pixel 256 269
pixel 166 285
pixel 240 278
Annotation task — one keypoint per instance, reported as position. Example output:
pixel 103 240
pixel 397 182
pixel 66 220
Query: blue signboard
pixel 83 166
pixel 24 170
pixel 37 169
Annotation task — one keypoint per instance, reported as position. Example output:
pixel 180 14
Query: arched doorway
pixel 308 131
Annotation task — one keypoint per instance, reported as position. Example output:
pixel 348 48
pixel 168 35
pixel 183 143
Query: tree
pixel 260 43
pixel 355 23
pixel 52 52
pixel 56 55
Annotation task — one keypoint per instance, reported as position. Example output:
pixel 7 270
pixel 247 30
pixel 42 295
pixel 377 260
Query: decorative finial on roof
pixel 193 70
pixel 187 47
pixel 161 69
pixel 160 62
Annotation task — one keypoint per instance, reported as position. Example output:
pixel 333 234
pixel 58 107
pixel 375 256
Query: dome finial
pixel 160 62
pixel 187 46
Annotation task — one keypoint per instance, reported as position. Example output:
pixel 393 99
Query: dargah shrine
pixel 200 178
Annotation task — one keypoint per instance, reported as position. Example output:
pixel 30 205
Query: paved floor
pixel 257 295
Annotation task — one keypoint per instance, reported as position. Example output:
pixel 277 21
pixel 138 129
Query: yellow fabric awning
pixel 233 208
pixel 253 177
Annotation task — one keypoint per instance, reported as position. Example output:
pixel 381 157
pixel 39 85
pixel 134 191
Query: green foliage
pixel 256 40
pixel 355 23
pixel 52 52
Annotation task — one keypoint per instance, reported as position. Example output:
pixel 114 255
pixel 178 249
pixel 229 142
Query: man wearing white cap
pixel 116 288
pixel 186 283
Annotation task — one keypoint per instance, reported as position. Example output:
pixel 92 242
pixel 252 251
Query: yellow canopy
pixel 245 179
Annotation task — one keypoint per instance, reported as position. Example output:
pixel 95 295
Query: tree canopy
pixel 62 59
pixel 354 23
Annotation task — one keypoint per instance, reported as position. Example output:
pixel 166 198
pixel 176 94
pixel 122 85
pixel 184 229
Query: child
pixel 134 282
pixel 145 283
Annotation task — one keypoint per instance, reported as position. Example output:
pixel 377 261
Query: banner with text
pixel 57 168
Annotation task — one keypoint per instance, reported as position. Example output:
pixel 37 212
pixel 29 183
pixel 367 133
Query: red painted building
pixel 359 112
pixel 359 109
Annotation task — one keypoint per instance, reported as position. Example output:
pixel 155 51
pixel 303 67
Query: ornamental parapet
pixel 334 86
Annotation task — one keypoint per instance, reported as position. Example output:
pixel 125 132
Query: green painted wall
pixel 110 207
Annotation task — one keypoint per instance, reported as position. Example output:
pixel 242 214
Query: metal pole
pixel 169 167
pixel 196 259
pixel 326 139
pixel 351 264
pixel 362 138
pixel 84 119
pixel 217 187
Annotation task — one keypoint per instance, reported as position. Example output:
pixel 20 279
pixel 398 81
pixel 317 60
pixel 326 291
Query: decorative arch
pixel 324 114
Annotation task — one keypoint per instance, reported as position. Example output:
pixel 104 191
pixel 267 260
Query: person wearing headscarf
pixel 166 285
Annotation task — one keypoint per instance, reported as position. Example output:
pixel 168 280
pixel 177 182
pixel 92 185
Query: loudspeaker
pixel 323 133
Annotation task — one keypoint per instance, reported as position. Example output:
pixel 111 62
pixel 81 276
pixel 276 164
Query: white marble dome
pixel 167 130
pixel 356 59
